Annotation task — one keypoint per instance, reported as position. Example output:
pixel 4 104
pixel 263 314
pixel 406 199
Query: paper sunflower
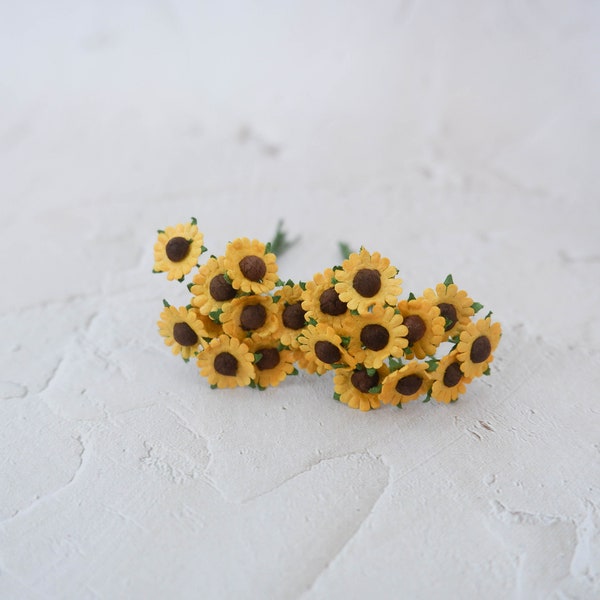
pixel 226 363
pixel 449 382
pixel 323 349
pixel 291 315
pixel 211 289
pixel 177 250
pixel 454 304
pixel 352 386
pixel 321 302
pixel 366 280
pixel 271 362
pixel 476 346
pixel 425 326
pixel 182 329
pixel 249 268
pixel 376 335
pixel 249 314
pixel 406 384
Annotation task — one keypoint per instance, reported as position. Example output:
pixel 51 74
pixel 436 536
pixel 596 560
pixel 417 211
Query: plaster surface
pixel 454 138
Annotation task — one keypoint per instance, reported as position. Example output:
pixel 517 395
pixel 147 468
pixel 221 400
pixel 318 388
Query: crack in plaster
pixel 42 499
pixel 506 515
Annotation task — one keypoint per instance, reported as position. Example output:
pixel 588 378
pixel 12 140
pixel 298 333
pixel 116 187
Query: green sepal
pixel 289 283
pixel 399 405
pixel 189 286
pixel 339 366
pixel 294 372
pixel 488 315
pixel 252 384
pixel 194 221
pixel 279 283
pixel 281 347
pixel 488 371
pixel 447 324
pixel 411 296
pixel 214 386
pixel 345 340
pixel 476 306
pixel 302 285
pixel 454 339
pixel 337 268
pixel 375 389
pixel 154 271
pixel 354 312
pixel 203 249
pixel 215 315
pixel 181 279
pixel 185 360
pixel 160 231
pixel 336 396
pixel 428 396
pixel 312 321
pixel 432 364
pixel 371 372
pixel 448 281
pixel 227 278
pixel 165 303
pixel 260 387
pixel 257 357
pixel 208 340
pixel 394 364
pixel 344 250
pixel 276 299
pixel 188 307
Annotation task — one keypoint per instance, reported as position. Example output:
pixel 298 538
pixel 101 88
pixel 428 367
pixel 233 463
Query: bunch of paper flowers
pixel 245 327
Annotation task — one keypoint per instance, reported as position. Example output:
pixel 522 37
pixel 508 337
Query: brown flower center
pixel 220 289
pixel 253 316
pixel 448 311
pixel 367 282
pixel 177 249
pixel 330 303
pixel 416 328
pixel 253 268
pixel 226 364
pixel 481 349
pixel 184 335
pixel 452 375
pixel 409 385
pixel 374 337
pixel 293 316
pixel 327 352
pixel 270 358
pixel 363 382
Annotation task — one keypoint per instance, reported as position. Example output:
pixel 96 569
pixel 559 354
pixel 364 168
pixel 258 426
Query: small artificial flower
pixel 177 250
pixel 211 288
pixel 182 329
pixel 406 383
pixel 323 349
pixel 367 279
pixel 246 315
pixel 359 387
pixel 272 362
pixel 249 267
pixel 476 346
pixel 226 363
pixel 449 382
pixel 291 315
pixel 425 326
pixel 321 301
pixel 376 335
pixel 455 306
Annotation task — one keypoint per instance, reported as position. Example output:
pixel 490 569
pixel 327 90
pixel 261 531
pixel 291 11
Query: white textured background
pixel 457 137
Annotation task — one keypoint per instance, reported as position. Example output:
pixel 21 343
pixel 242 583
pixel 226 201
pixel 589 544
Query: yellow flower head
pixel 322 303
pixel 454 304
pixel 366 280
pixel 291 316
pixel 449 382
pixel 249 267
pixel 376 335
pixel 211 289
pixel 425 326
pixel 226 363
pixel 476 346
pixel 246 315
pixel 177 250
pixel 323 349
pixel 182 329
pixel 272 364
pixel 352 386
pixel 406 384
